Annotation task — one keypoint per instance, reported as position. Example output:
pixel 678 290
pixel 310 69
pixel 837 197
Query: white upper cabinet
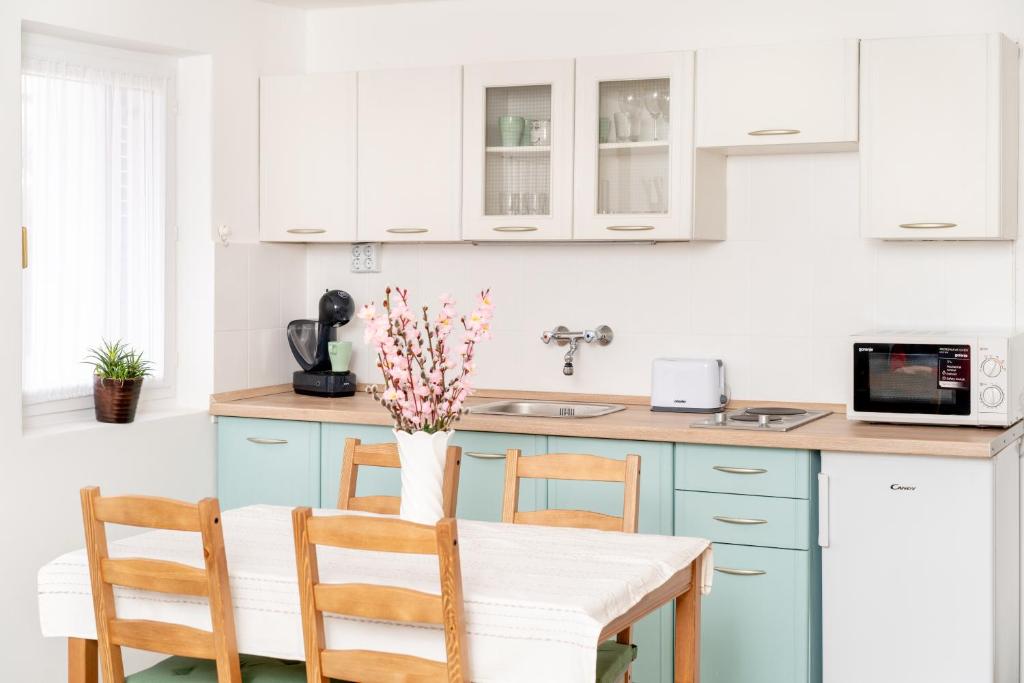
pixel 410 155
pixel 938 152
pixel 750 99
pixel 634 149
pixel 308 158
pixel 517 151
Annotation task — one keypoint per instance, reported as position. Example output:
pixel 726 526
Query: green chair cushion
pixel 613 659
pixel 189 670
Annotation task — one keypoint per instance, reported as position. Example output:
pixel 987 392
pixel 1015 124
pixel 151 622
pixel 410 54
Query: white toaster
pixel 688 385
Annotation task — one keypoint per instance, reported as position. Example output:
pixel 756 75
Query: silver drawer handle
pixel 773 131
pixel 485 456
pixel 629 228
pixel 739 520
pixel 515 228
pixel 739 470
pixel 914 226
pixel 407 231
pixel 741 572
pixel 266 442
pixel 306 231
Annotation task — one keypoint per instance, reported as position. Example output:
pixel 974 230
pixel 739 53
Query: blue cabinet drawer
pixel 747 520
pixel 482 480
pixel 757 624
pixel 738 469
pixel 267 461
pixel 371 481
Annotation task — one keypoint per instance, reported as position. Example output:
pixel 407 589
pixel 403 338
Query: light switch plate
pixel 366 257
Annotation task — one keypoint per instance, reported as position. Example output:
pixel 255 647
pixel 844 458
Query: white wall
pixel 172 454
pixel 776 300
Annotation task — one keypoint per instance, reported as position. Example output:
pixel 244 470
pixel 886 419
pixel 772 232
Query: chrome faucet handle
pixel 556 334
pixel 603 335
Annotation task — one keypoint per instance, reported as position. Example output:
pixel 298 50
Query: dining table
pixel 538 600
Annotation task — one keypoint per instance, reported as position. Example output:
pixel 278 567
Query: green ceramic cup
pixel 604 129
pixel 341 354
pixel 511 128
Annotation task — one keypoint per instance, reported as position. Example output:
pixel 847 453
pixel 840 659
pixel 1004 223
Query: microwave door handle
pixel 823 510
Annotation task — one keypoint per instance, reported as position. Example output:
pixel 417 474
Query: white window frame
pixel 104 57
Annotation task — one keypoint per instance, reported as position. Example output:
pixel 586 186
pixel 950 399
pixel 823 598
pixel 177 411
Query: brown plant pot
pixel 116 400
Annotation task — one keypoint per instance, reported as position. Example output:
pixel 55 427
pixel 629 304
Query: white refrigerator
pixel 920 568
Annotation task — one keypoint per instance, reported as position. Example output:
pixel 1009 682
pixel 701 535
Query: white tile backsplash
pixel 776 301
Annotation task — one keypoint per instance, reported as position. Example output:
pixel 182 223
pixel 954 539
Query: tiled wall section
pixel 776 300
pixel 260 288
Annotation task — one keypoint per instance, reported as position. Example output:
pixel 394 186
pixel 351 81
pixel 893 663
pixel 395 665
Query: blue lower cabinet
pixel 758 623
pixel 267 461
pixel 745 520
pixel 653 634
pixel 482 479
pixel 370 481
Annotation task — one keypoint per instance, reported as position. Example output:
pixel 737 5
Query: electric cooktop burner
pixel 753 417
pixel 770 418
pixel 775 410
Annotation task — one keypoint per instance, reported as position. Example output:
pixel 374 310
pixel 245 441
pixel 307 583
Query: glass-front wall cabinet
pixel 518 151
pixel 634 141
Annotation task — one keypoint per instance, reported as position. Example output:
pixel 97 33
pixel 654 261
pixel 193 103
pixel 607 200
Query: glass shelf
pixel 522 149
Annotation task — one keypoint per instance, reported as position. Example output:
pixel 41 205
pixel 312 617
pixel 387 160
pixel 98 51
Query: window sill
pixel 85 419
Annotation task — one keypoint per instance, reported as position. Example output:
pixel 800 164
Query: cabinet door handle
pixel 266 442
pixel 407 231
pixel 306 231
pixel 741 572
pixel 773 131
pixel 739 520
pixel 485 456
pixel 515 228
pixel 629 228
pixel 926 226
pixel 739 470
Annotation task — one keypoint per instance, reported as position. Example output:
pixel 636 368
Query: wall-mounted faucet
pixel 562 336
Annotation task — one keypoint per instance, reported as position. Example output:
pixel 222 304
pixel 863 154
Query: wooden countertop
pixel 831 433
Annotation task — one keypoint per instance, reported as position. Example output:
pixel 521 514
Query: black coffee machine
pixel 308 341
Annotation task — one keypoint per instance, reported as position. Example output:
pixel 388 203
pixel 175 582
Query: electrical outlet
pixel 366 257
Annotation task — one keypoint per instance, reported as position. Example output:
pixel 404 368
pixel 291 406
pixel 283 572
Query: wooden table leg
pixel 687 658
pixel 82 661
pixel 625 637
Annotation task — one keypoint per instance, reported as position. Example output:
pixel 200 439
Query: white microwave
pixel 942 378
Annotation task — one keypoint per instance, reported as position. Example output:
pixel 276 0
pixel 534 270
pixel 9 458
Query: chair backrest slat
pixel 158 636
pixel 572 467
pixel 160 576
pixel 155 575
pixel 358 454
pixel 389 603
pixel 147 511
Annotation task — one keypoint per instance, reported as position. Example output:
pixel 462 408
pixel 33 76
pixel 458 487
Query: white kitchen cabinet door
pixel 517 151
pixel 410 155
pixel 938 150
pixel 308 158
pixel 634 149
pixel 802 96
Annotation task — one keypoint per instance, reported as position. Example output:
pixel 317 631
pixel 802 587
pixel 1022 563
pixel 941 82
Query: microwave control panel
pixel 992 378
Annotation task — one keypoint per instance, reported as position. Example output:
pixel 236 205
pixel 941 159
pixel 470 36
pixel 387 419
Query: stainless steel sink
pixel 546 409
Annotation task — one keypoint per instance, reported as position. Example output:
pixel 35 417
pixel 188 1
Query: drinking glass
pixel 656 102
pixel 630 103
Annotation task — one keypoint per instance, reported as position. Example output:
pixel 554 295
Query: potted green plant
pixel 118 371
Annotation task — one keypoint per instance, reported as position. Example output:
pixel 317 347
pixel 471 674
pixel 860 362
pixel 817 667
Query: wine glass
pixel 656 102
pixel 630 103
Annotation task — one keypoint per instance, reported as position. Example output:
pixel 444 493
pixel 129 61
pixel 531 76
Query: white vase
pixel 423 457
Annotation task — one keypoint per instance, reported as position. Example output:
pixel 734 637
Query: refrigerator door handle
pixel 823 516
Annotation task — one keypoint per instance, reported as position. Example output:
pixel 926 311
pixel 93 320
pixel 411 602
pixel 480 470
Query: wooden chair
pixel 614 659
pixel 379 602
pixel 201 656
pixel 386 455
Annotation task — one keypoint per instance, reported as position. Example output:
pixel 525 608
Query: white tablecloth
pixel 536 598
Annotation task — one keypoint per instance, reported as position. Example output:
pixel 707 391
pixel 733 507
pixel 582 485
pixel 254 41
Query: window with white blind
pixel 97 159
